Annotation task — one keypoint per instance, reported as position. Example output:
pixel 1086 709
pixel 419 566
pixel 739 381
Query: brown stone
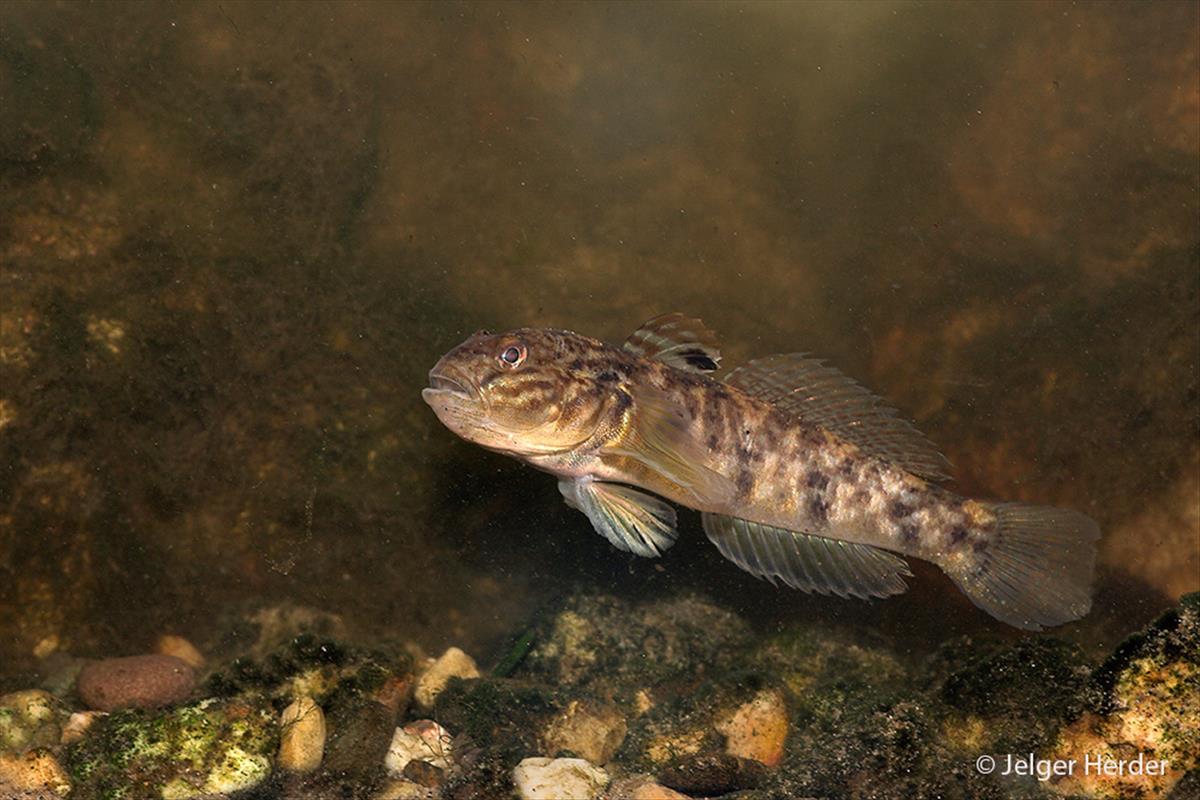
pixel 424 773
pixel 712 774
pixel 757 729
pixel 135 682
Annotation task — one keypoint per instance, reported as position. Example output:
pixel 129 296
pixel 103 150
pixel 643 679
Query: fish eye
pixel 513 355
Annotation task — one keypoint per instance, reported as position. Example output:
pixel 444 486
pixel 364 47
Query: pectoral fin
pixel 805 561
pixel 633 521
pixel 660 440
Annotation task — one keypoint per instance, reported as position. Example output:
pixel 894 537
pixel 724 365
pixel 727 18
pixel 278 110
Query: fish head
pixel 513 392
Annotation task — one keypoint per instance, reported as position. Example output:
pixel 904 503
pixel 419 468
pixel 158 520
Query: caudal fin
pixel 1036 570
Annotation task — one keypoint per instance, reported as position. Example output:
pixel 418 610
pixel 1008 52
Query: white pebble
pixel 423 740
pixel 558 779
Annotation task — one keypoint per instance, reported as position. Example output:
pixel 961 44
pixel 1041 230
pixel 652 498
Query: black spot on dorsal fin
pixel 679 341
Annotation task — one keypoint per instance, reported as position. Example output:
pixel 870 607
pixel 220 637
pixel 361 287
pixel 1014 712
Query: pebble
pixel 423 740
pixel 656 791
pixel 28 719
pixel 453 663
pixel 33 772
pixel 395 693
pixel 712 774
pixel 181 648
pixel 558 779
pixel 77 725
pixel 358 738
pixel 46 647
pixel 302 736
pixel 424 773
pixel 404 789
pixel 146 681
pixel 642 787
pixel 757 729
pixel 593 734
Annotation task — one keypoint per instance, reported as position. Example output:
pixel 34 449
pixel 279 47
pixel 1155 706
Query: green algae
pixel 29 719
pixel 207 747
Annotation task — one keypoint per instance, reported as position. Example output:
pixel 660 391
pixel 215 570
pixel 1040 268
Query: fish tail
pixel 1034 568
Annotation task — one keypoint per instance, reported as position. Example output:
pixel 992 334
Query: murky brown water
pixel 234 237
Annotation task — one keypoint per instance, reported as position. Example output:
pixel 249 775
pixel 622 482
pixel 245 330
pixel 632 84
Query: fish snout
pixel 446 382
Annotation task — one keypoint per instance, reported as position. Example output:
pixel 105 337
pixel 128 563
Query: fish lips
pixel 441 383
pixel 455 401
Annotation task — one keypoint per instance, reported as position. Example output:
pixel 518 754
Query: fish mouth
pixel 441 385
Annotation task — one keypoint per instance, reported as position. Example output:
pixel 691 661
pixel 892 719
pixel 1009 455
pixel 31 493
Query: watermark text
pixel 1045 769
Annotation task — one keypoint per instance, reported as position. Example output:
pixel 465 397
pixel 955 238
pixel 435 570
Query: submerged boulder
pixel 30 718
pixel 1142 733
pixel 210 747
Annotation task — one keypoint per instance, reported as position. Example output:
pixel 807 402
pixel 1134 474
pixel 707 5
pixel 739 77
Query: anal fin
pixel 805 561
pixel 631 520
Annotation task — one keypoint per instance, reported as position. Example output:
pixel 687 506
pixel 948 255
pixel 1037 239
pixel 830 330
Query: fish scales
pixel 799 473
pixel 791 475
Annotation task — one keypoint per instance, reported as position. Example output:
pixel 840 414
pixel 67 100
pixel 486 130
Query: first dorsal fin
pixel 823 396
pixel 681 342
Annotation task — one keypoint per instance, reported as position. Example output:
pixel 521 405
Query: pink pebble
pixel 135 682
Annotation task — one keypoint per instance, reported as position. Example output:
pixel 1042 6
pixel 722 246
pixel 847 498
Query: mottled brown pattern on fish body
pixel 798 476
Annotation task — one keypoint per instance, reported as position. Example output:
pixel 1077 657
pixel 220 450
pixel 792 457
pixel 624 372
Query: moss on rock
pixel 1145 704
pixel 211 747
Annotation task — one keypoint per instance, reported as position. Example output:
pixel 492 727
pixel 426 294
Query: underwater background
pixel 234 237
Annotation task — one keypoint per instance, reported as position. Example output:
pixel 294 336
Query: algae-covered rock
pixel 865 720
pixel 1146 712
pixel 501 716
pixel 214 746
pixel 28 719
pixel 591 731
pixel 598 640
pixel 361 693
pixel 1007 698
pixel 322 669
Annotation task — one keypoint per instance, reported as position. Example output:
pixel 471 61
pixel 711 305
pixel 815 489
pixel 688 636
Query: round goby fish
pixel 800 474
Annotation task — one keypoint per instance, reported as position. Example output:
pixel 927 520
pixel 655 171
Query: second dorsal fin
pixel 681 342
pixel 823 396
